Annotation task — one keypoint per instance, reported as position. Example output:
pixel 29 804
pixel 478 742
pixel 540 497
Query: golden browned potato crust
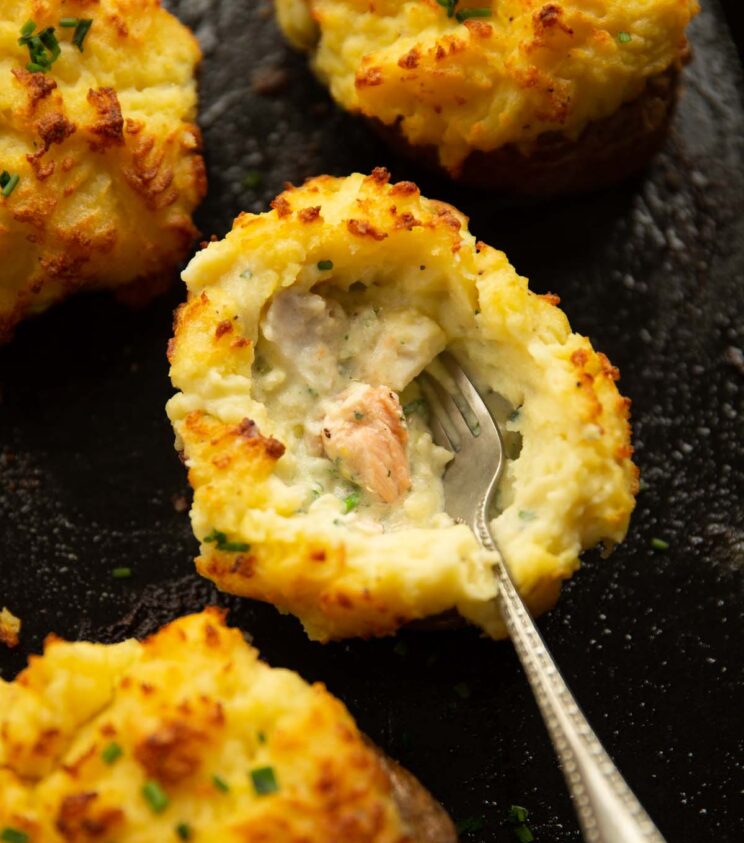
pixel 165 739
pixel 105 149
pixel 607 152
pixel 521 96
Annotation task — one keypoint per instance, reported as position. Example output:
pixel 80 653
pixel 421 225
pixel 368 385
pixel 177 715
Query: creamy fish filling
pixel 337 378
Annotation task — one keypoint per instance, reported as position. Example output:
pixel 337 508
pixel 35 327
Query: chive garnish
pixel 13 835
pixel 111 752
pixel 8 183
pixel 220 783
pixel 223 543
pixel 43 48
pixel 466 14
pixel 69 23
pixel 81 30
pixel 527 515
pixel 261 737
pixel 325 266
pixel 518 817
pixel 624 37
pixel 27 29
pixel 449 5
pixel 183 830
pixel 351 501
pixel 415 406
pixel 155 796
pixel 264 781
pixel 470 824
pixel 122 573
pixel 659 544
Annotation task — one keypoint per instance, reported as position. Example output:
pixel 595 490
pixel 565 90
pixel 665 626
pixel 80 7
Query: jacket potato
pixel 317 486
pixel 187 735
pixel 100 165
pixel 521 96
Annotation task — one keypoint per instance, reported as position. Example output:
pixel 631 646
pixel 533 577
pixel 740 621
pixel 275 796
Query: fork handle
pixel 608 810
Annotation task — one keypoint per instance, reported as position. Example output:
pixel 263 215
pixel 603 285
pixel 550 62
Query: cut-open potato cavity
pixel 317 486
pixel 187 735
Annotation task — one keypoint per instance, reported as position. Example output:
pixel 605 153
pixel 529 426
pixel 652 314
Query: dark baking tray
pixel 651 642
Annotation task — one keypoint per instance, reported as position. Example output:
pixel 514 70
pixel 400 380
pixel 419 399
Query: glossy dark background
pixel 651 642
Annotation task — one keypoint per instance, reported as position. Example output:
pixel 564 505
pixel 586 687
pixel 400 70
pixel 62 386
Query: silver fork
pixel 608 810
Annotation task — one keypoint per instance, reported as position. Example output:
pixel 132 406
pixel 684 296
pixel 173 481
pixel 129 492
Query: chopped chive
pixel 111 752
pixel 81 30
pixel 9 184
pixel 183 830
pixel 155 796
pixel 659 544
pixel 121 573
pixel 261 737
pixel 43 48
pixel 13 835
pixel 252 179
pixel 325 266
pixel 462 689
pixel 470 824
pixel 643 486
pixel 527 515
pixel 358 416
pixel 518 814
pixel 624 37
pixel 449 5
pixel 222 542
pixel 69 23
pixel 465 14
pixel 518 817
pixel 523 834
pixel 264 781
pixel 27 28
pixel 220 783
pixel 351 501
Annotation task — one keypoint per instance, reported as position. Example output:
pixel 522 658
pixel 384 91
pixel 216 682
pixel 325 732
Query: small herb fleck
pixel 220 783
pixel 462 689
pixel 527 515
pixel 223 543
pixel 183 830
pixel 261 737
pixel 155 796
pixel 13 835
pixel 252 180
pixel 264 781
pixel 624 37
pixel 659 544
pixel 643 486
pixel 465 14
pixel 121 573
pixel 325 266
pixel 351 501
pixel 418 405
pixel 8 183
pixel 470 824
pixel 81 30
pixel 518 818
pixel 358 416
pixel 111 752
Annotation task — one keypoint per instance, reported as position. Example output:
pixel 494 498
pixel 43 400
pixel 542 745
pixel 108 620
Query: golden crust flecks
pixel 107 152
pixel 530 69
pixel 189 704
pixel 572 486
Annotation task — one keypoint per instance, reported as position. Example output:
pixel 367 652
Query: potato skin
pixel 107 153
pixel 536 98
pixel 189 703
pixel 607 152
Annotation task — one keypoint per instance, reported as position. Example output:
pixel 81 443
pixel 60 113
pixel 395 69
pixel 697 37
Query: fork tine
pixel 438 433
pixel 452 412
pixel 469 392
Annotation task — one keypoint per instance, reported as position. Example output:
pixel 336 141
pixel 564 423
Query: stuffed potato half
pixel 317 486
pixel 187 735
pixel 522 96
pixel 99 151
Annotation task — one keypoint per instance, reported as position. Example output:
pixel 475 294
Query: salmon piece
pixel 364 432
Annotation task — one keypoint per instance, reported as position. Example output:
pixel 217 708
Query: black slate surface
pixel 651 642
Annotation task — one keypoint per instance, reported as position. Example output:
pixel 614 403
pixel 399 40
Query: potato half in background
pixel 520 96
pixel 187 735
pixel 317 486
pixel 99 156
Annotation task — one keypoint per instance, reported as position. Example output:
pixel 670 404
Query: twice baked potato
pixel 521 96
pixel 187 735
pixel 317 486
pixel 100 165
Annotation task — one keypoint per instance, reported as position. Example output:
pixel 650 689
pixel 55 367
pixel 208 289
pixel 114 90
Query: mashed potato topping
pixel 100 150
pixel 317 486
pixel 186 735
pixel 525 68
